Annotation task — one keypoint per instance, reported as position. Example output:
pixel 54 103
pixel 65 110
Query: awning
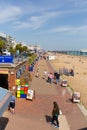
pixel 5 98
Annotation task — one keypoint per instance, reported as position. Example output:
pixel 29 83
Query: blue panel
pixel 31 68
pixel 6 59
pixel 1 59
pixel 23 95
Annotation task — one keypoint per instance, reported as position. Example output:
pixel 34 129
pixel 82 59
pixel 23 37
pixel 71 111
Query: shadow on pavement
pixel 83 128
pixel 69 100
pixel 3 123
pixel 48 118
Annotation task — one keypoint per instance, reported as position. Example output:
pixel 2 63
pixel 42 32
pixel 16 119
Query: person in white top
pixel 45 74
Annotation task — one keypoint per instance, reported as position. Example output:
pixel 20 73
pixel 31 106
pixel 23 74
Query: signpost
pixel 31 94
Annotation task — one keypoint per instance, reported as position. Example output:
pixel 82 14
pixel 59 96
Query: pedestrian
pixel 37 73
pixel 57 78
pixel 50 78
pixel 12 104
pixel 45 74
pixel 55 114
pixel 37 69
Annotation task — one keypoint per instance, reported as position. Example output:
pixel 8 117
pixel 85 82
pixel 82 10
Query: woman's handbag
pixel 60 112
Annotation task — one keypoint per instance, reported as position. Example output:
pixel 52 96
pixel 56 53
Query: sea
pixel 77 53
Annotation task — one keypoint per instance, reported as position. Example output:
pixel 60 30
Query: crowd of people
pixel 50 77
pixel 54 77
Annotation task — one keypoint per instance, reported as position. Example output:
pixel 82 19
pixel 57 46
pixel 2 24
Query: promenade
pixel 36 114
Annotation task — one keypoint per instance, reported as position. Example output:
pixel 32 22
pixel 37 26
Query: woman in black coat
pixel 55 113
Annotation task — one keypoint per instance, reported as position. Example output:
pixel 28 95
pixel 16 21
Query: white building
pixel 36 48
pixel 51 57
pixel 3 35
pixel 84 50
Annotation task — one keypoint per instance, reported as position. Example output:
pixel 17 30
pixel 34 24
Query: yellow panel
pixel 18 92
pixel 18 95
pixel 17 81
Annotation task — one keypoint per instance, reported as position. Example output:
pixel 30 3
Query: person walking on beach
pixel 55 114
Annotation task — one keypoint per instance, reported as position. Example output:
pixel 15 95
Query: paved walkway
pixel 36 114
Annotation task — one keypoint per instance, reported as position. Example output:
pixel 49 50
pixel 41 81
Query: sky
pixel 52 24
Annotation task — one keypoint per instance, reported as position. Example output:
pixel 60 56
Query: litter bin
pixel 64 83
pixel 76 97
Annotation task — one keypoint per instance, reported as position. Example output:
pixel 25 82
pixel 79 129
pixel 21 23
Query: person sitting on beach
pixel 71 72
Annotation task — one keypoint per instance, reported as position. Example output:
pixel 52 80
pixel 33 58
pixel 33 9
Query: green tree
pixel 19 47
pixel 12 50
pixel 24 48
pixel 2 45
pixel 31 58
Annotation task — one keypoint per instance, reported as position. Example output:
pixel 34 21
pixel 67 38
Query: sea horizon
pixel 70 52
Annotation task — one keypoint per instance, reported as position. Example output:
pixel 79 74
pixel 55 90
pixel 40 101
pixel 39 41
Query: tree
pixel 31 58
pixel 2 45
pixel 12 50
pixel 24 48
pixel 19 47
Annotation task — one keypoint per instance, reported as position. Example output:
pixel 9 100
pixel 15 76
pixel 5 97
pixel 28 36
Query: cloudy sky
pixel 53 24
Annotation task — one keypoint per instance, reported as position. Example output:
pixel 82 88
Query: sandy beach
pixel 78 81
